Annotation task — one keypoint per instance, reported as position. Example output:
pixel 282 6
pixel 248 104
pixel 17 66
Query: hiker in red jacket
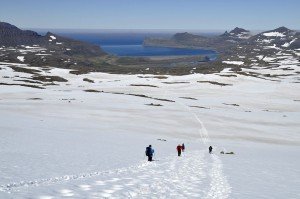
pixel 179 148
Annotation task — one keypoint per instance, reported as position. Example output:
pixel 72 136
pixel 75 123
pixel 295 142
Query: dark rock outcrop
pixel 10 35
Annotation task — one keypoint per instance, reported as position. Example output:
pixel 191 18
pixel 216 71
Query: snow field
pixel 74 144
pixel 196 174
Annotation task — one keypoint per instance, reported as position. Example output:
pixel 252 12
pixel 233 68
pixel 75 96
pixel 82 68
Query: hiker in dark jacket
pixel 179 148
pixel 182 147
pixel 210 149
pixel 149 152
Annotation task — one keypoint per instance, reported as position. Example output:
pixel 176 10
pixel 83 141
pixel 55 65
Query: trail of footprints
pixel 194 175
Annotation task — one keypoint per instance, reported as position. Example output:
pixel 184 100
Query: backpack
pixel 149 151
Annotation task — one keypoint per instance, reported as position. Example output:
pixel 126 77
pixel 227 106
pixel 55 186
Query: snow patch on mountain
pixel 272 47
pixel 287 44
pixel 239 63
pixel 267 40
pixel 21 58
pixel 274 34
pixel 260 57
pixel 52 37
pixel 43 54
pixel 268 59
pixel 244 35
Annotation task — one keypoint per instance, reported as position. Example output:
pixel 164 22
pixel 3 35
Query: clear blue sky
pixel 151 14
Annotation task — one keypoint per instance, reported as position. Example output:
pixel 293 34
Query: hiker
pixel 149 152
pixel 210 149
pixel 179 148
pixel 182 147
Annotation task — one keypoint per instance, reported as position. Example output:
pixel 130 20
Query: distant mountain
pixel 238 30
pixel 237 33
pixel 235 46
pixel 55 42
pixel 219 43
pixel 12 36
pixel 278 32
pixel 281 37
pixel 186 36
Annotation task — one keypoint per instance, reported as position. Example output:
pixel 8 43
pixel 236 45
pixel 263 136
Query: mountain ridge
pixel 237 35
pixel 11 35
pixel 233 48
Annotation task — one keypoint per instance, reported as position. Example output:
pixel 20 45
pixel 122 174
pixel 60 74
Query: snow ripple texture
pixel 196 174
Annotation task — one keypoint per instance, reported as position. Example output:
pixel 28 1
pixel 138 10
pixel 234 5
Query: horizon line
pixel 135 30
pixel 143 30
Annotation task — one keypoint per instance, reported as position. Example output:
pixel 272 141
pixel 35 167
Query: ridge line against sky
pixel 152 15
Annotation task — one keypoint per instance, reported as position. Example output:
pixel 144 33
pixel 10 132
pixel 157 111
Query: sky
pixel 152 14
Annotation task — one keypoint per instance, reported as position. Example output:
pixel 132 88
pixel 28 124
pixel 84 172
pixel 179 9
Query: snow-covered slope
pixel 83 136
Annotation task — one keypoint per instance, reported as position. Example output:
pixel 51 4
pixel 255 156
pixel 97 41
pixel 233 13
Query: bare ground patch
pixel 215 83
pixel 144 85
pixel 152 104
pixel 88 80
pixel 223 75
pixel 130 94
pixel 28 81
pixel 45 78
pixel 202 107
pixel 190 98
pixel 231 104
pixel 176 82
pixel 156 77
pixel 25 70
pixel 92 91
pixel 25 85
pixel 35 98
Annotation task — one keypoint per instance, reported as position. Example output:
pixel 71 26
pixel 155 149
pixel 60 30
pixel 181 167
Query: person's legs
pixel 179 153
pixel 150 158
